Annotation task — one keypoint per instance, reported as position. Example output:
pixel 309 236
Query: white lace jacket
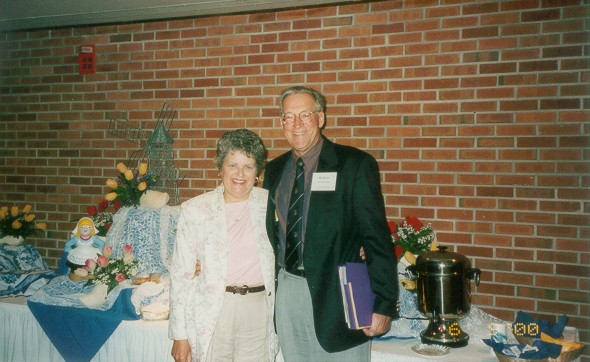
pixel 202 234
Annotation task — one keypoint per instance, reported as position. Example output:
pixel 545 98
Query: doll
pixel 84 245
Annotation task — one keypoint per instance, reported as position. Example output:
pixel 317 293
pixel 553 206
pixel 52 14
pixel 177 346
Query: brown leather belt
pixel 244 289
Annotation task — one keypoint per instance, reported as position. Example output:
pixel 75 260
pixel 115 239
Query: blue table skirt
pixel 78 332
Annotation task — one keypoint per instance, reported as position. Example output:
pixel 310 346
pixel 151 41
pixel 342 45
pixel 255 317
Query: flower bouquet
pixel 130 185
pixel 411 238
pixel 18 224
pixel 103 218
pixel 108 271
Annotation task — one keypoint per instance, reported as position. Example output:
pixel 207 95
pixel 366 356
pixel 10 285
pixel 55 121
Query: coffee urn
pixel 444 295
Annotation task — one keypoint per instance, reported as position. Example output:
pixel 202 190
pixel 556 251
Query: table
pixel 148 341
pixel 401 350
pixel 25 341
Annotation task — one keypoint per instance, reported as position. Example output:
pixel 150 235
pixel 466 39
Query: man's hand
pixel 380 324
pixel 181 351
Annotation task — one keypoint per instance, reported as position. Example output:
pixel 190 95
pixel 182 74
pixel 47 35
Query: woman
pixel 225 312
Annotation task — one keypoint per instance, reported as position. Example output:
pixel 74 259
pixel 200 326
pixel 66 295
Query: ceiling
pixel 39 14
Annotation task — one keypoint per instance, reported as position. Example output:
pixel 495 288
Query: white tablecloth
pixel 401 350
pixel 23 340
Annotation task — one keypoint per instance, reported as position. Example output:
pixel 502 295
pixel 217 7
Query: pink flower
pixel 120 277
pixel 107 251
pixel 128 258
pixel 102 261
pixel 127 249
pixel 90 265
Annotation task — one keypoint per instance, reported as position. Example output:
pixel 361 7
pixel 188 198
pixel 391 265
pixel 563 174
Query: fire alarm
pixel 86 60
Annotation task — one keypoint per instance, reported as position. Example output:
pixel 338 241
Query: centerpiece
pixel 16 224
pixel 410 238
pixel 130 185
pixel 106 273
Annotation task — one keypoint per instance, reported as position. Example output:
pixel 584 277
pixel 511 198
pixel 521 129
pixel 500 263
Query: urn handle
pixel 474 273
pixel 412 270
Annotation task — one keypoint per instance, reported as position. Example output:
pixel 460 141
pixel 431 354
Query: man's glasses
pixel 305 117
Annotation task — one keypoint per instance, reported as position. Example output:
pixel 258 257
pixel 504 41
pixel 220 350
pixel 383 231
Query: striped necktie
pixel 293 250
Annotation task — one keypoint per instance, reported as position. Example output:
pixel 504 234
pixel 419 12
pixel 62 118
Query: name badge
pixel 323 181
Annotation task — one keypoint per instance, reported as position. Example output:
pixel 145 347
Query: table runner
pixel 78 333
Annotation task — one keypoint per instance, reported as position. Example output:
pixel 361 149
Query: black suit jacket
pixel 340 222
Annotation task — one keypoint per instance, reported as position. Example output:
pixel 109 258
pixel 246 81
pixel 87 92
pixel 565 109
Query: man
pixel 342 210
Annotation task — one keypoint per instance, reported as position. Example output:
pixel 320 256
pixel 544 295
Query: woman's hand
pixel 181 351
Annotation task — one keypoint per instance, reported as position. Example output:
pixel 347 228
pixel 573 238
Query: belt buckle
pixel 243 290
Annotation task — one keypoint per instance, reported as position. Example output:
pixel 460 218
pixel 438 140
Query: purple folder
pixel 357 295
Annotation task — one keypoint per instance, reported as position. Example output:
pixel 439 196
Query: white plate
pixel 431 349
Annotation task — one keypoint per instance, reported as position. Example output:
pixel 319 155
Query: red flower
pixel 107 227
pixel 102 205
pixel 398 251
pixel 120 277
pixel 117 205
pixel 91 210
pixel 392 226
pixel 414 222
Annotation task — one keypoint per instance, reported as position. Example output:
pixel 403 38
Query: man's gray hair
pixel 319 99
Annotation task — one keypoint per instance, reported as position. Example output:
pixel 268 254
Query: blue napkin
pixel 78 333
pixel 544 349
pixel 554 330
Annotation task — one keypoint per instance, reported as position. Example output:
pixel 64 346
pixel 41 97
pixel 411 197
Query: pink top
pixel 243 262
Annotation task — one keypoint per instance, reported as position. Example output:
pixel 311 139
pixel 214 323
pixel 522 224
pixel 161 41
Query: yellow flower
pixel 142 186
pixel 411 258
pixel 143 168
pixel 3 214
pixel 112 183
pixel 16 225
pixel 110 196
pixel 27 208
pixel 129 175
pixel 30 217
pixel 408 284
pixel 121 167
pixel 41 226
pixel 14 211
pixel 434 245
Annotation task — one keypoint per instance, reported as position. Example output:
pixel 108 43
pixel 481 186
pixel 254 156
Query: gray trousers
pixel 295 326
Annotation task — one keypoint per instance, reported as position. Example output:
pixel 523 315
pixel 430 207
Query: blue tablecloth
pixel 78 333
pixel 22 270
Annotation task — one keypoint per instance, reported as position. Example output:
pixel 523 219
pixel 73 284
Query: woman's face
pixel 238 174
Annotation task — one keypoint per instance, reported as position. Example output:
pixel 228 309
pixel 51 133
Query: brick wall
pixel 478 114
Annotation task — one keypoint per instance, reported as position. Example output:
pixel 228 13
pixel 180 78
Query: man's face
pixel 302 136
